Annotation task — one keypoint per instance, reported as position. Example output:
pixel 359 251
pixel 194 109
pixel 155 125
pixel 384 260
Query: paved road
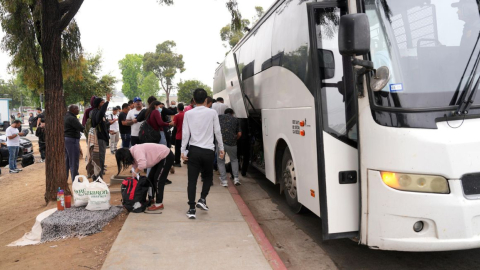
pixel 345 253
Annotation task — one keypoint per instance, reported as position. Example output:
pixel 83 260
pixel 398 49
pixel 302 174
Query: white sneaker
pixel 224 184
pixel 236 181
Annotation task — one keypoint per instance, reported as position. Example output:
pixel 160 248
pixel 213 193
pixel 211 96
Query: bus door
pixel 336 114
pixel 234 85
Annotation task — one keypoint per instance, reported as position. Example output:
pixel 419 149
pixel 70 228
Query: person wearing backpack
pixel 148 155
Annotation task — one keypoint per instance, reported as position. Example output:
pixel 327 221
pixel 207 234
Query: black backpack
pixel 147 134
pixel 134 194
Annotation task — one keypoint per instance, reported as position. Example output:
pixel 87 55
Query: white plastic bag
pixel 79 191
pixel 98 196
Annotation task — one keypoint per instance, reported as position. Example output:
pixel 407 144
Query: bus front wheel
pixel 289 178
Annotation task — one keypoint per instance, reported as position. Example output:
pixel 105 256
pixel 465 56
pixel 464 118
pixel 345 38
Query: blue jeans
pixel 126 138
pixel 163 140
pixel 72 156
pixel 12 157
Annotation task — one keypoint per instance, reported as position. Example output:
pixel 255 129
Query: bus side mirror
pixel 354 34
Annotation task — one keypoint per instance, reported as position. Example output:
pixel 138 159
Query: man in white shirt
pixel 13 144
pixel 132 116
pixel 199 126
pixel 114 130
pixel 219 106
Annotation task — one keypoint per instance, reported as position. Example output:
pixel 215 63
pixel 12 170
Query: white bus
pixel 390 156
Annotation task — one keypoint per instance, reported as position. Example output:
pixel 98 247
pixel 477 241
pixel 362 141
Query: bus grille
pixel 471 184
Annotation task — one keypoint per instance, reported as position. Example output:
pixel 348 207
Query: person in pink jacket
pixel 148 155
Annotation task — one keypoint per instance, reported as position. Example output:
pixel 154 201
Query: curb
pixel 267 249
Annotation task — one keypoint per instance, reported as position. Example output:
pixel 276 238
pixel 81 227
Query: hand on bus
pixel 222 154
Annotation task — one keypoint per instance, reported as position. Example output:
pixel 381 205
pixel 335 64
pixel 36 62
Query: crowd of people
pixel 201 133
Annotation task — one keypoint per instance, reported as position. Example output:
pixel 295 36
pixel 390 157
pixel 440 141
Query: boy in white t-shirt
pixel 13 144
pixel 132 116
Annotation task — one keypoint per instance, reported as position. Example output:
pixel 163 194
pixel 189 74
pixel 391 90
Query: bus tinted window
pixel 219 81
pixel 246 59
pixel 290 42
pixel 263 46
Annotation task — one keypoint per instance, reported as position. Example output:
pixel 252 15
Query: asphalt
pixel 217 239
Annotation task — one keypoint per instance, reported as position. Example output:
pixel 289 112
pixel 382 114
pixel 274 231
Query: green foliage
pixel 21 22
pixel 149 86
pixel 236 23
pixel 233 37
pixel 18 92
pixel 132 73
pixel 79 89
pixel 165 64
pixel 185 89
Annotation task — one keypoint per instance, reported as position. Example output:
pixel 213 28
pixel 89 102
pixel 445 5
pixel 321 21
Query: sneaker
pixel 236 181
pixel 13 171
pixel 154 207
pixel 202 204
pixel 177 165
pixel 18 170
pixel 42 161
pixel 191 214
pixel 224 183
pixel 168 182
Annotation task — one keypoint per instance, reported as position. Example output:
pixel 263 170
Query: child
pixel 40 133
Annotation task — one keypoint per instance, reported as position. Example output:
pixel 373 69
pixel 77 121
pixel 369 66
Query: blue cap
pixel 137 99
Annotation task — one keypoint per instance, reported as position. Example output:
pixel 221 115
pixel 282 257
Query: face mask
pixel 173 106
pixel 160 109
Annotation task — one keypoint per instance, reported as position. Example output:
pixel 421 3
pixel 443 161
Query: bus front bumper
pixel 450 221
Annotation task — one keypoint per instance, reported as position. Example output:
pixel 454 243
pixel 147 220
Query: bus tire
pixel 290 182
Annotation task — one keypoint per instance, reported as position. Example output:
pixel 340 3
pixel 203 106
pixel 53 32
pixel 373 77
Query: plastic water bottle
pixel 60 200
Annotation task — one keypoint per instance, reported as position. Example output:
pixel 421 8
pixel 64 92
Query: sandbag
pixel 79 191
pixel 98 195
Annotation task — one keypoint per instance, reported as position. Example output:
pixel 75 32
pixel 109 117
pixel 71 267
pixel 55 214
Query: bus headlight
pixel 416 182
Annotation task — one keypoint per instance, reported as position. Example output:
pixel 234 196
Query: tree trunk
pixel 55 168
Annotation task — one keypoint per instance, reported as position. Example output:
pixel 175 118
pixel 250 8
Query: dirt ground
pixel 21 200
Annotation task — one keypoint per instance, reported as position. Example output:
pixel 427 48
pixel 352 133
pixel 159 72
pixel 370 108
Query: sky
pixel 120 27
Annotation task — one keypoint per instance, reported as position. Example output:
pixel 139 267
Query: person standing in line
pixel 40 116
pixel 86 114
pixel 31 123
pixel 132 117
pixel 219 106
pixel 191 106
pixel 72 128
pixel 199 126
pixel 13 145
pixel 114 130
pixel 125 126
pixel 178 123
pixel 40 133
pixel 131 104
pixel 166 114
pixel 100 125
pixel 231 132
pixel 19 118
pixel 174 109
pixel 148 155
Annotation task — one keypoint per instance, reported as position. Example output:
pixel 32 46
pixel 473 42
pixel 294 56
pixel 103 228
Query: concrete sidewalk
pixel 217 239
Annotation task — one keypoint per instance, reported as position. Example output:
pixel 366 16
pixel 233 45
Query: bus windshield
pixel 427 45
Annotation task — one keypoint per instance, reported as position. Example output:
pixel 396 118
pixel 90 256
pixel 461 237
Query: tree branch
pixel 68 9
pixel 37 23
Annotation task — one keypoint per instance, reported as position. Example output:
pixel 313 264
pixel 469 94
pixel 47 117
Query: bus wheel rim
pixel 290 179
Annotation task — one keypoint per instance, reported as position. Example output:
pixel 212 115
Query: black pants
pixel 42 147
pixel 134 140
pixel 72 156
pixel 199 160
pixel 178 151
pixel 243 153
pixel 158 175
